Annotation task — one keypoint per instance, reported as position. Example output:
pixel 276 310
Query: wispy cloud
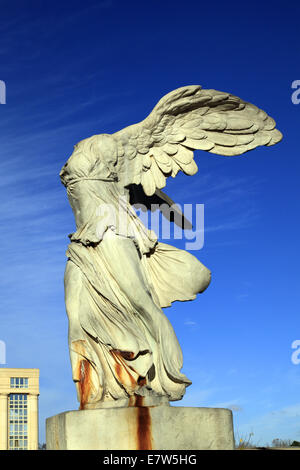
pixel 233 405
pixel 242 296
pixel 190 323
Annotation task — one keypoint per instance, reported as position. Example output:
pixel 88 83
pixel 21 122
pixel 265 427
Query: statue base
pixel 141 428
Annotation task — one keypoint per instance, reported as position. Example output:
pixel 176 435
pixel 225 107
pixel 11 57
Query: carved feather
pixel 188 119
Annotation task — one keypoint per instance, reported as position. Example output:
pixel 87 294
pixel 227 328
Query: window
pixel 19 382
pixel 18 421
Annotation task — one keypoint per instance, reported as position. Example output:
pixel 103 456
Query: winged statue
pixel 119 277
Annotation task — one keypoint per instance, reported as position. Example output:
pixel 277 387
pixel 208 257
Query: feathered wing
pixel 188 119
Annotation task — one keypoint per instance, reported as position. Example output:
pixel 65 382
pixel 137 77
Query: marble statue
pixel 118 277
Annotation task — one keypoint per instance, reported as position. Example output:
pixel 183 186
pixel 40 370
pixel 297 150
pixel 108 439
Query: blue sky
pixel 74 70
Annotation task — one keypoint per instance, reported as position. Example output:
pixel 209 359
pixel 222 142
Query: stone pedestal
pixel 141 428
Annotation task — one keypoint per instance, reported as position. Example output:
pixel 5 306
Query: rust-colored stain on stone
pixel 84 382
pixel 142 381
pixel 128 355
pixel 122 369
pixel 144 431
pixel 125 377
pixel 143 424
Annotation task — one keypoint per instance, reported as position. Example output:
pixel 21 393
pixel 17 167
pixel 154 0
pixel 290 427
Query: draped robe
pixel 117 280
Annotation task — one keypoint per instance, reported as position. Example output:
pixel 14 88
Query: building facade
pixel 19 391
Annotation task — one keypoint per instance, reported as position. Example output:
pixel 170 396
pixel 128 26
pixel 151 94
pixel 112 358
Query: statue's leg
pixel 124 259
pixel 82 358
pixel 73 286
pixel 126 264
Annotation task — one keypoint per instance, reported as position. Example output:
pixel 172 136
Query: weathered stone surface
pixel 119 277
pixel 141 428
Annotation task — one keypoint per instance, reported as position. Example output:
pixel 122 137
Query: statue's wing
pixel 184 120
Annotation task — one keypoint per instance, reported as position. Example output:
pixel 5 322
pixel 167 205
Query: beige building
pixel 19 391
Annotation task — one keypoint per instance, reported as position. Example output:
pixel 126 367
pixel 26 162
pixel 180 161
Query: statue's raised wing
pixel 188 119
